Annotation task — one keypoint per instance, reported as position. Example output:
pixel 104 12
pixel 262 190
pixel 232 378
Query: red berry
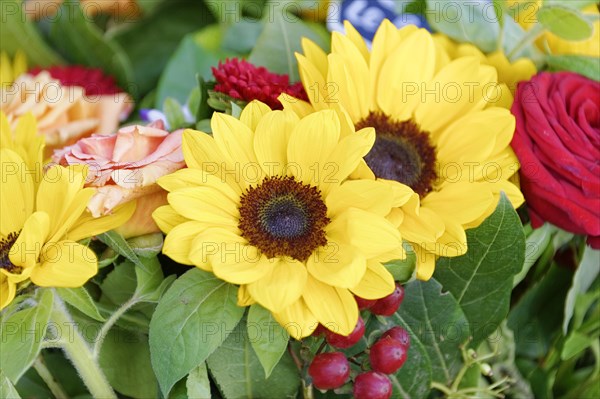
pixel 329 370
pixel 372 385
pixel 399 334
pixel 341 341
pixel 388 305
pixel 364 303
pixel 320 330
pixel 387 355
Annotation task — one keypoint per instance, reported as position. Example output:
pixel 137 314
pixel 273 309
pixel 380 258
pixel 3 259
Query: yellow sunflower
pixel 41 222
pixel 435 129
pixel 10 70
pixel 266 204
pixel 509 73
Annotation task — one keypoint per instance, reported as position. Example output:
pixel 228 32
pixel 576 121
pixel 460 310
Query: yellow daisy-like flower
pixel 40 224
pixel 265 203
pixel 436 129
pixel 10 70
pixel 509 73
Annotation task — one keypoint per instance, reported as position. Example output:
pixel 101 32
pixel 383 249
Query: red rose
pixel 557 141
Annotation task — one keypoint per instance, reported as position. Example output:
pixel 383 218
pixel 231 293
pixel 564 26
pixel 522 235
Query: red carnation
pixel 93 80
pixel 244 81
pixel 557 141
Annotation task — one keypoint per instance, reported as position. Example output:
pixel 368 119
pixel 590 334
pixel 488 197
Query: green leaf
pixel 120 284
pixel 82 42
pixel 440 324
pixel 586 66
pixel 535 245
pixel 146 246
pixel 152 40
pixel 7 390
pixel 125 360
pixel 148 280
pixel 241 37
pixel 464 21
pixel 22 335
pixel 238 372
pixel 197 383
pixel 279 40
pixel 565 22
pixel 413 380
pixel 118 243
pixel 174 113
pixel 192 319
pixel 536 319
pixel 80 299
pixel 19 33
pixel 575 344
pixel 586 273
pixel 269 340
pixel 481 280
pixel 194 56
pixel 403 269
pixel 499 8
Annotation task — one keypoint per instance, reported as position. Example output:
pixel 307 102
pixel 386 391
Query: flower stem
pixel 109 324
pixel 54 386
pixel 528 38
pixel 80 354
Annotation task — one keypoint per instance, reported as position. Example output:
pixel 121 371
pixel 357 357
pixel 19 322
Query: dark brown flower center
pixel 283 217
pixel 5 246
pixel 402 152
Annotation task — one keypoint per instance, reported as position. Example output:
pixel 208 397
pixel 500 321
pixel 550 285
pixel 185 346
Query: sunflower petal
pixel 65 264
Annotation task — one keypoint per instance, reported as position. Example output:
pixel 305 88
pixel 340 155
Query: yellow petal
pixel 65 264
pixel 376 283
pixel 368 195
pixel 189 178
pixel 271 141
pixel 7 291
pixel 315 55
pixel 200 151
pixel 166 218
pixel 345 158
pixel 370 234
pixel 235 140
pixel 333 307
pixel 462 202
pixel 450 94
pixel 281 286
pixel 314 82
pixel 244 298
pixel 357 40
pixel 88 226
pixel 253 113
pixel 16 192
pixel 337 264
pixel 178 243
pixel 299 107
pixel 397 75
pixel 297 319
pixel 427 226
pixel 205 204
pixel 26 250
pixel 425 263
pixel 238 263
pixel 310 145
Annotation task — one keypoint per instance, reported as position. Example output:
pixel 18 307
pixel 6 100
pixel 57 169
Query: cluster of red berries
pixel 332 370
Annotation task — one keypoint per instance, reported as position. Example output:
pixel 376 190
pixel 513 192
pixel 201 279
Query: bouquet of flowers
pixel 300 199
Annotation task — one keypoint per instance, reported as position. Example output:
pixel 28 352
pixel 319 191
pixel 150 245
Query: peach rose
pixel 124 167
pixel 64 113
